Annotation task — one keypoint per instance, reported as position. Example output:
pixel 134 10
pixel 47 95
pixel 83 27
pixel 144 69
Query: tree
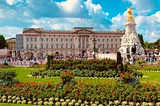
pixel 141 39
pixel 157 43
pixel 3 42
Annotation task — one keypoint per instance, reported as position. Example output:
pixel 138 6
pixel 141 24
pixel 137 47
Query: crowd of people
pixel 150 57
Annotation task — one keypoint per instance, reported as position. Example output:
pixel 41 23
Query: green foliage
pixel 140 62
pixel 3 42
pixel 81 73
pixel 119 62
pixel 49 62
pixel 7 77
pixel 98 65
pixel 141 39
pixel 157 43
pixel 66 76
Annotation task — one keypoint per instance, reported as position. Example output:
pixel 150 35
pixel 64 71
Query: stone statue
pixel 130 17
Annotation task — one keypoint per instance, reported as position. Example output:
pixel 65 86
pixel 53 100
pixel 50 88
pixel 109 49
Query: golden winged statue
pixel 130 16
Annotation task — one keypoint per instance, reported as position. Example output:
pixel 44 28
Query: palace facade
pixel 76 42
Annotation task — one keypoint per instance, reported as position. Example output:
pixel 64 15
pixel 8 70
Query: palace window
pixel 116 46
pixel 41 46
pixel 79 40
pixel 35 39
pixel 86 40
pixel 31 46
pixel 115 40
pixel 27 46
pixel 35 46
pixel 66 39
pixel 83 46
pixel 103 46
pixel 27 39
pixel 111 45
pixel 99 46
pixel 46 39
pixel 66 46
pixel 82 40
pixel 86 46
pixel 71 46
pixel 79 46
pixel 61 39
pixel 61 45
pixel 31 39
pixel 98 40
pixel 71 39
pixel 107 40
pixel 107 46
pixel 52 39
pixel 57 46
pixel 102 40
pixel 46 46
pixel 41 39
pixel 56 39
pixel 111 40
pixel 52 46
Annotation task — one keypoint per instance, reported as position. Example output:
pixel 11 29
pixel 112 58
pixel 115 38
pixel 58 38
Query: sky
pixel 102 15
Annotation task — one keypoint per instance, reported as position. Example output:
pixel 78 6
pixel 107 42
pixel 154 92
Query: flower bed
pixel 80 94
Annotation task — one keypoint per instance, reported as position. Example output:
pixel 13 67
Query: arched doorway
pixel 28 55
pixel 83 53
pixel 40 55
pixel 57 54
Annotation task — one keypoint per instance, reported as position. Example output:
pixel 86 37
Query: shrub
pixel 98 65
pixel 67 77
pixel 49 62
pixel 7 77
pixel 119 62
pixel 140 62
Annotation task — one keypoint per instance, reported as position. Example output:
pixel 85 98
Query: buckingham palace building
pixel 80 41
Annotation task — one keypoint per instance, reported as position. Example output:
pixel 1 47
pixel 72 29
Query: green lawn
pixel 23 72
pixel 150 77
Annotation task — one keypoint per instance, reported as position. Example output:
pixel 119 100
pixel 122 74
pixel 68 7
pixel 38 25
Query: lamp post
pixel 94 47
pixel 74 51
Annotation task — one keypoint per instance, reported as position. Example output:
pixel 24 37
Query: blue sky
pixel 66 14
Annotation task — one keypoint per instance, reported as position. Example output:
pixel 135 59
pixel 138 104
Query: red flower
pixel 149 96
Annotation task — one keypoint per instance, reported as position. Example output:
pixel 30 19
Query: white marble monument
pixel 130 39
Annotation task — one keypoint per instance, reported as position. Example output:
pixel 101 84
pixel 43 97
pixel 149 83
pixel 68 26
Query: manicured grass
pixel 10 104
pixel 22 72
pixel 150 77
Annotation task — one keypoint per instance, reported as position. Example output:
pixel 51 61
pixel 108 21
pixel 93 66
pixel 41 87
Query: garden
pixel 80 83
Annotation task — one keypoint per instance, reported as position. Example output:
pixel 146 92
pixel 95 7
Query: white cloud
pixel 66 23
pixel 95 10
pixel 11 2
pixel 9 31
pixel 119 21
pixel 69 5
